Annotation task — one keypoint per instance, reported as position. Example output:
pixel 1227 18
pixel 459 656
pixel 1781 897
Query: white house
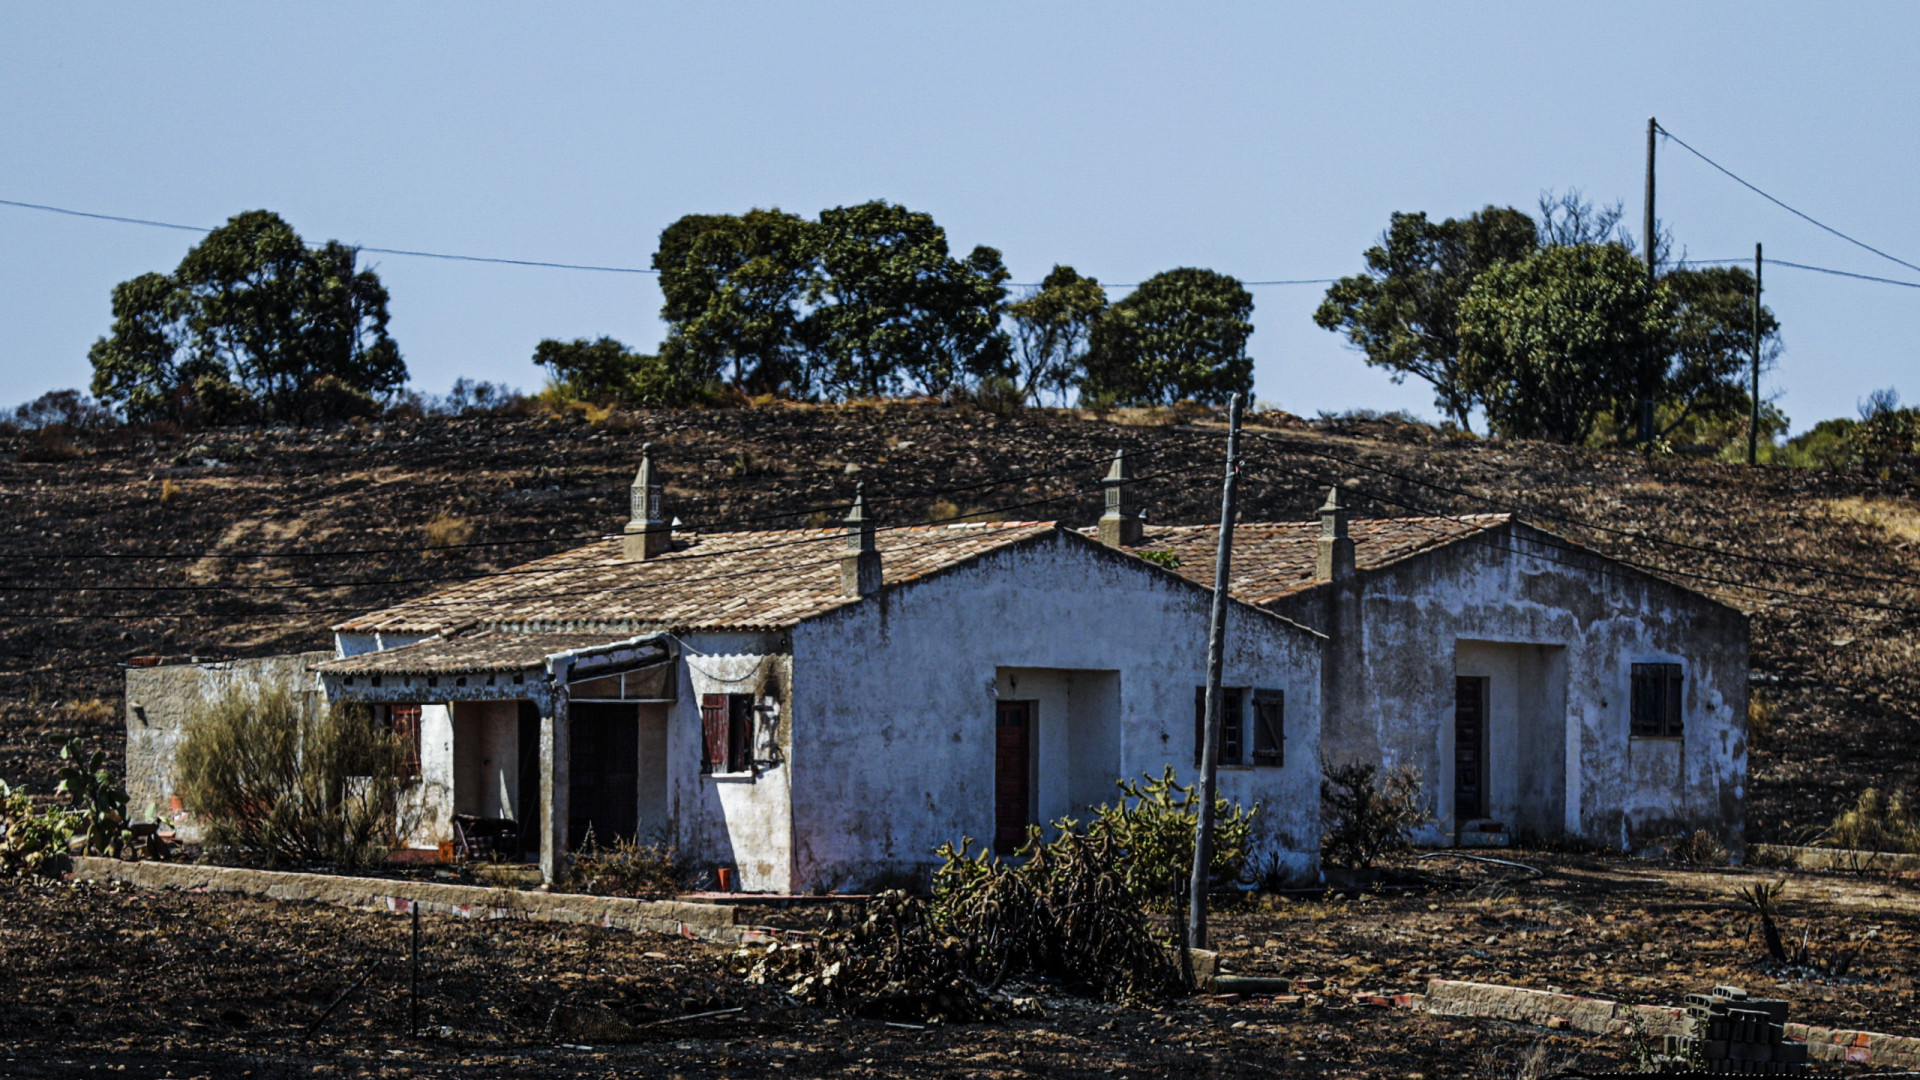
pixel 1541 689
pixel 821 708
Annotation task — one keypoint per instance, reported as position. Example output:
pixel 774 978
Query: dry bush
pixel 1877 822
pixel 1700 848
pixel 627 867
pixel 1899 520
pixel 48 445
pixel 93 713
pixel 447 530
pixel 271 782
pixel 1365 816
pixel 169 492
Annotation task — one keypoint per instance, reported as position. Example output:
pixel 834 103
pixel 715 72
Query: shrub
pixel 33 838
pixel 627 867
pixel 1700 848
pixel 272 782
pixel 1154 824
pixel 169 491
pixel 1877 822
pixel 96 806
pixel 1365 817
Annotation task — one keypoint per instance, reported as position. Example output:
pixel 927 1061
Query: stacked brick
pixel 1734 1033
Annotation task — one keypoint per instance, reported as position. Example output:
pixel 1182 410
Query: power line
pixel 1844 273
pixel 826 536
pixel 374 250
pixel 1805 217
pixel 1539 512
pixel 1149 450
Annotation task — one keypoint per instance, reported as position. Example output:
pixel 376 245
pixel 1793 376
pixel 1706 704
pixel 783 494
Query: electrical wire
pixel 1805 217
pixel 828 536
pixel 242 555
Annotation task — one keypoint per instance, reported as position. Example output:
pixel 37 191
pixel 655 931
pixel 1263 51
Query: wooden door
pixel 1012 784
pixel 1469 748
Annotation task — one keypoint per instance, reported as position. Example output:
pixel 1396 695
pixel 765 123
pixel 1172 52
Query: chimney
pixel 1335 561
pixel 647 534
pixel 1119 526
pixel 860 566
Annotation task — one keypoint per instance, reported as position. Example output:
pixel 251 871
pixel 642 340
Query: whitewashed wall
pixel 893 703
pixel 741 820
pixel 1405 631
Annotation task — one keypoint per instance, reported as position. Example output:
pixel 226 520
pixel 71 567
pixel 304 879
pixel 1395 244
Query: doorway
pixel 604 795
pixel 1469 748
pixel 1012 774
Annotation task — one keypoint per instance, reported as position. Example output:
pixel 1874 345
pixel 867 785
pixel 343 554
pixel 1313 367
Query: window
pixel 403 721
pixel 1658 693
pixel 726 723
pixel 1269 727
pixel 1232 724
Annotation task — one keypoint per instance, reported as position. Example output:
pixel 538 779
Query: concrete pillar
pixel 555 785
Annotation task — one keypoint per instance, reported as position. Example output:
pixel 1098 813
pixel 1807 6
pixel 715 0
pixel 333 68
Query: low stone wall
pixel 712 922
pixel 1860 1047
pixel 1822 858
pixel 1597 1016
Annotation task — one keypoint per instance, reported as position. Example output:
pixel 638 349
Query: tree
pixel 1182 335
pixel 733 284
pixel 891 307
pixel 253 315
pixel 1403 312
pixel 607 370
pixel 1553 341
pixel 1051 331
pixel 1711 341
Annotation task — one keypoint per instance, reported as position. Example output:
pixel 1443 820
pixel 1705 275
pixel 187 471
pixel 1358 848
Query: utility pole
pixel 1650 238
pixel 1216 660
pixel 1753 417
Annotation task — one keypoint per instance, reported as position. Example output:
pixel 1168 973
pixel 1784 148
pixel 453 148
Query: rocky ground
pixel 235 542
pixel 183 985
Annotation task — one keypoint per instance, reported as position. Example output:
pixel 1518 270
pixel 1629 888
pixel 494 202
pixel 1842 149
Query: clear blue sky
pixel 1123 139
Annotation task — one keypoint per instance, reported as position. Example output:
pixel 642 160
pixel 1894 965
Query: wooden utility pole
pixel 1216 661
pixel 1650 238
pixel 1753 417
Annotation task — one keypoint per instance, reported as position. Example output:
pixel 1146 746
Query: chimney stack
pixel 647 534
pixel 1335 561
pixel 860 566
pixel 1119 526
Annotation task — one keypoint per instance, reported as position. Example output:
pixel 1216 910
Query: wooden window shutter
pixel 404 722
pixel 1269 727
pixel 713 732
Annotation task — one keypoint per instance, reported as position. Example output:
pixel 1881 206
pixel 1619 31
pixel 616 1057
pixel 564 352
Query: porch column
pixel 555 783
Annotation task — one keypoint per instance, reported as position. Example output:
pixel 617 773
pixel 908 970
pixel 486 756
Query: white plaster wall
pixel 428 805
pixel 742 820
pixel 1527 726
pixel 1391 690
pixel 1076 737
pixel 893 749
pixel 486 762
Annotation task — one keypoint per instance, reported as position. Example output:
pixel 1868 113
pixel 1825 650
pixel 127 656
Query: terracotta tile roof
pixel 480 652
pixel 1272 559
pixel 745 581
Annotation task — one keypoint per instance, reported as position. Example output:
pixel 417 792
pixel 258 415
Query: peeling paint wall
pixel 158 702
pixel 893 705
pixel 1562 624
pixel 741 820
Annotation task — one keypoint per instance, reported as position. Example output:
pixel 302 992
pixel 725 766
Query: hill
pixel 131 543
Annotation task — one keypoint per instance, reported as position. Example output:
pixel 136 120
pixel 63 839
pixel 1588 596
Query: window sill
pixel 732 777
pixel 1658 738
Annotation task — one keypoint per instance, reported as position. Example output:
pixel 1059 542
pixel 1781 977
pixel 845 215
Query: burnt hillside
pixel 195 528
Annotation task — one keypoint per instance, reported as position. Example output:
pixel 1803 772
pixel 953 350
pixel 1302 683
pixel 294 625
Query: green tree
pixel 733 285
pixel 1403 312
pixel 1182 335
pixel 250 309
pixel 1555 340
pixel 606 370
pixel 1051 331
pixel 893 308
pixel 1711 339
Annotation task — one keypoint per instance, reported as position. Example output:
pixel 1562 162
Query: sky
pixel 1265 141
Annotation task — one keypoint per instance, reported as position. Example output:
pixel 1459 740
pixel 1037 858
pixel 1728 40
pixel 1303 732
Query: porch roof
pixel 478 653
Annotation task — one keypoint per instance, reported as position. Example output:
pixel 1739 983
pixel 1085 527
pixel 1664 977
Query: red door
pixel 1013 727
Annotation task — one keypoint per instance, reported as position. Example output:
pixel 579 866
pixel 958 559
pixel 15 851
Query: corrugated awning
pixel 493 651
